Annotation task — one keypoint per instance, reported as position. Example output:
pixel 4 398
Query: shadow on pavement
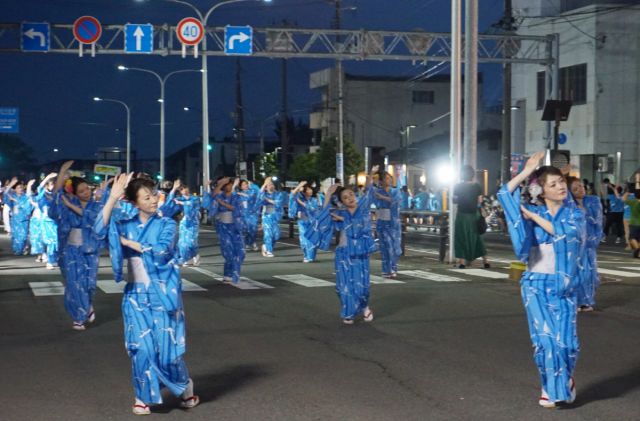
pixel 609 388
pixel 212 386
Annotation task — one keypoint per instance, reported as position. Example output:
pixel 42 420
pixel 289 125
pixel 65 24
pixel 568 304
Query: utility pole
pixel 339 71
pixel 284 122
pixel 508 27
pixel 470 131
pixel 239 117
pixel 454 121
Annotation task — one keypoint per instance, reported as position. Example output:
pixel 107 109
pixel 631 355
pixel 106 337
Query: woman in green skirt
pixel 468 240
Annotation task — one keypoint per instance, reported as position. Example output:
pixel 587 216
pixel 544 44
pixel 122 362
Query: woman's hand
pixel 336 218
pixel 534 161
pixel 120 183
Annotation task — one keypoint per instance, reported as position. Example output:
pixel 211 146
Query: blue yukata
pixel 169 208
pixel 229 228
pixel 152 310
pixel 189 227
pixel 303 209
pixel 44 200
pixel 549 285
pixel 421 201
pixel 352 253
pixel 271 215
pixel 249 214
pixel 389 228
pixel 80 255
pixel 405 203
pixel 21 208
pixel 589 274
pixel 35 229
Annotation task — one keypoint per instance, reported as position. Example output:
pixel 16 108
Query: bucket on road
pixel 516 269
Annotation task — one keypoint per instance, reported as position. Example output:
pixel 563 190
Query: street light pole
pixel 163 81
pixel 205 86
pixel 128 126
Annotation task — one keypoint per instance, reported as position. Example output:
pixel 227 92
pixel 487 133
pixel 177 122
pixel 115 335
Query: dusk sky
pixel 54 91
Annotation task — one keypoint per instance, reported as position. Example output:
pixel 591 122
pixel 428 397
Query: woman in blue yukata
pixel 248 193
pixel 303 204
pixel 189 226
pixel 75 212
pixel 271 201
pixel 228 215
pixel 36 246
pixel 352 220
pixel 49 228
pixel 550 239
pixel 153 315
pixel 388 224
pixel 21 208
pixel 592 207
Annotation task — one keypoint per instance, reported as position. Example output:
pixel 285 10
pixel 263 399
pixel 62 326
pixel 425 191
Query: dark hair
pixel 339 191
pixel 144 176
pixel 166 186
pixel 314 191
pixel 571 179
pixel 75 182
pixel 544 172
pixel 467 173
pixel 131 192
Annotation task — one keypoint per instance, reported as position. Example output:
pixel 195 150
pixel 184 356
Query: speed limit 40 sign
pixel 190 32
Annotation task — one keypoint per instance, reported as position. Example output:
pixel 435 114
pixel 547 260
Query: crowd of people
pixel 555 226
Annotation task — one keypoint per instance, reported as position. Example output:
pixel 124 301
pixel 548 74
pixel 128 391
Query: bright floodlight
pixel 121 67
pixel 186 108
pixel 55 149
pixel 423 179
pixel 97 98
pixel 274 178
pixel 445 173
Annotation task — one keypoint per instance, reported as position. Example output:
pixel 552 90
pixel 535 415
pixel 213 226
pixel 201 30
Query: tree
pixel 303 167
pixel 16 157
pixel 267 166
pixel 326 160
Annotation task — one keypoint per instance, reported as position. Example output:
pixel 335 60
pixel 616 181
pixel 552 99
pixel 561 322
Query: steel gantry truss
pixel 309 43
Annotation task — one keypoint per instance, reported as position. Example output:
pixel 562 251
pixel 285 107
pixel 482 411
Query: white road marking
pixel 305 280
pixel 191 287
pixel 618 273
pixel 431 276
pixel 243 283
pixel 482 273
pixel 627 267
pixel 111 286
pixel 41 289
pixel 375 279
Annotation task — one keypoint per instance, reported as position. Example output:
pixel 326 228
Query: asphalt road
pixel 444 345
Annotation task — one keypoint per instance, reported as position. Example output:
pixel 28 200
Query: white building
pixel 599 58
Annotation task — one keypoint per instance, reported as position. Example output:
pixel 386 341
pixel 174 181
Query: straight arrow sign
pixel 139 33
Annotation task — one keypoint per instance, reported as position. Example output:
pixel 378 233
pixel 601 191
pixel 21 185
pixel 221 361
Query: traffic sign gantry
pixel 238 40
pixel 36 37
pixel 8 120
pixel 190 31
pixel 87 30
pixel 138 38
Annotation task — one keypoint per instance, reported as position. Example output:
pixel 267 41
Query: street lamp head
pixel 411 126
pixel 97 98
pixel 160 100
pixel 186 108
pixel 121 67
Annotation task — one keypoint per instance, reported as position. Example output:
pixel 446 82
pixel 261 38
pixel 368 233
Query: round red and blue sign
pixel 87 29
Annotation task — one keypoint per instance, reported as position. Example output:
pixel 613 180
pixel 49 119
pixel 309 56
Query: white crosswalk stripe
pixel 113 287
pixel 305 280
pixel 618 273
pixel 42 289
pixel 431 276
pixel 481 273
pixel 243 283
pixel 375 279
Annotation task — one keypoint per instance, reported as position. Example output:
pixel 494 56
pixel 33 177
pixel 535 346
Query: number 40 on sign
pixel 190 32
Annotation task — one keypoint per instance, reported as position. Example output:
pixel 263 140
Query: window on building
pixel 423 97
pixel 572 86
pixel 540 90
pixel 573 83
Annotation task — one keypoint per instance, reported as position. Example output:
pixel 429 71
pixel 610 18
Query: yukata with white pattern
pixel 35 229
pixel 271 215
pixel 249 214
pixel 44 200
pixel 189 228
pixel 229 229
pixel 302 208
pixel 589 274
pixel 389 228
pixel 80 255
pixel 152 310
pixel 21 208
pixel 549 286
pixel 352 253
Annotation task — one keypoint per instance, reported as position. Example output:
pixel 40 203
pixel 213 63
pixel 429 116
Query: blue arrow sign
pixel 138 38
pixel 35 37
pixel 9 120
pixel 238 40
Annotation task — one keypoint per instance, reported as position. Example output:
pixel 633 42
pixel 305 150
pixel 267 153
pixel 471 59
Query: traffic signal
pixel 209 147
pixel 96 177
pixel 158 177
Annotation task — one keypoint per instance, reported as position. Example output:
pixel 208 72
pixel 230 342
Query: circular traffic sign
pixel 87 29
pixel 190 31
